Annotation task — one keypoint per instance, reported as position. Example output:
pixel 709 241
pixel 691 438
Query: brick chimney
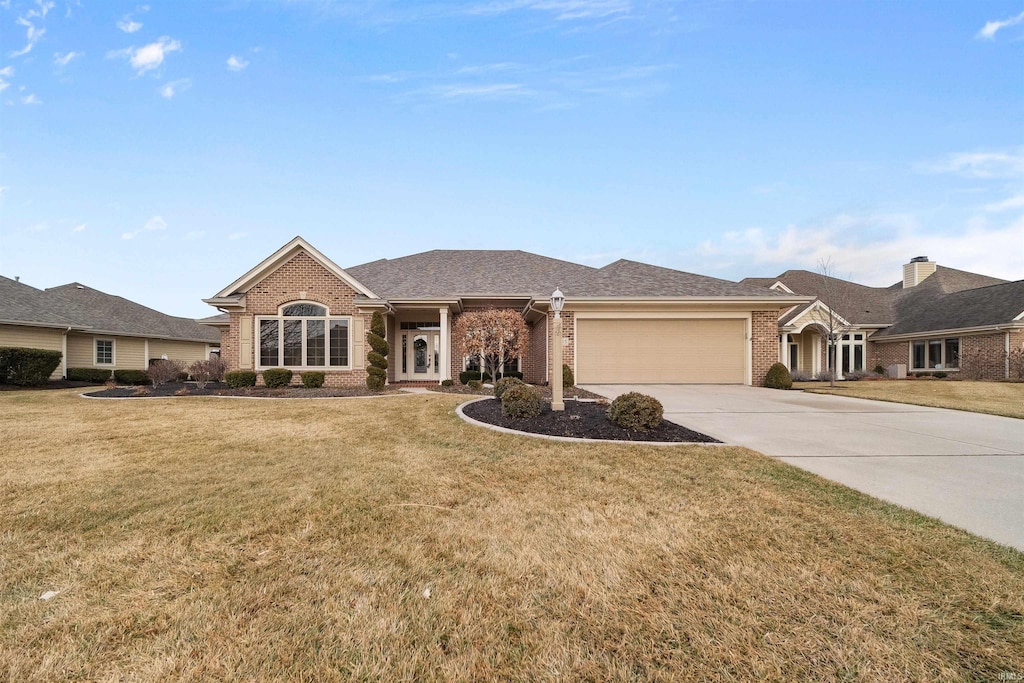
pixel 915 272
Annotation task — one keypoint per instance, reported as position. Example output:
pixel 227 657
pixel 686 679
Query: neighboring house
pixel 927 321
pixel 625 322
pixel 97 330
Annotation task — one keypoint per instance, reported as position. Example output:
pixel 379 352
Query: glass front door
pixel 420 355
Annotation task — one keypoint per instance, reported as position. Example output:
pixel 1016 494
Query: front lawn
pixel 994 398
pixel 386 539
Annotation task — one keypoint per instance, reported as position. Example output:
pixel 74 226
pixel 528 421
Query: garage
pixel 665 351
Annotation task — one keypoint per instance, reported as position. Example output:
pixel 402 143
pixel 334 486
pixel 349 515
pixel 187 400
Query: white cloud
pixel 979 164
pixel 1005 205
pixel 989 30
pixel 33 35
pixel 79 228
pixel 169 90
pixel 31 99
pixel 128 25
pixel 43 8
pixel 562 9
pixel 237 63
pixel 153 224
pixel 5 73
pixel 65 59
pixel 148 57
pixel 486 91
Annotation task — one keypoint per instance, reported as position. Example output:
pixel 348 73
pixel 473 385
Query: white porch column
pixel 816 362
pixel 784 350
pixel 446 350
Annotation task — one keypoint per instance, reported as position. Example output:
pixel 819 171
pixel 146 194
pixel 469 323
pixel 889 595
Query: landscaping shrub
pixel 801 376
pixel 636 411
pixel 467 376
pixel 521 401
pixel 778 377
pixel 131 377
pixel 940 375
pixel 855 375
pixel 504 384
pixel 568 380
pixel 880 370
pixel 238 379
pixel 217 368
pixel 475 384
pixel 447 383
pixel 377 373
pixel 376 378
pixel 510 373
pixel 162 371
pixel 97 375
pixel 313 379
pixel 275 378
pixel 27 367
pixel 202 372
pixel 824 376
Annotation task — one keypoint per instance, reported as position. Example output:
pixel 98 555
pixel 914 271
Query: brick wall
pixel 887 354
pixel 991 354
pixel 535 363
pixel 569 333
pixel 764 332
pixel 301 278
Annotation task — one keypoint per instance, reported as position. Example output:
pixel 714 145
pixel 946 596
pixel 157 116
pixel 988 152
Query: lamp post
pixel 557 301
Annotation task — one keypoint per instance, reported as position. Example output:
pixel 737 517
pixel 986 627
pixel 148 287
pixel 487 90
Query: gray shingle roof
pixel 932 308
pixel 24 304
pixel 458 273
pixel 108 313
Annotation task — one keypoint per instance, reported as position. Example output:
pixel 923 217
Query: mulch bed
pixel 53 384
pixel 219 389
pixel 582 421
pixel 545 391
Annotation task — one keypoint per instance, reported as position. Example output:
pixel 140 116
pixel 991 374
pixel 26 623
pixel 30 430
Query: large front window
pixel 935 354
pixel 304 335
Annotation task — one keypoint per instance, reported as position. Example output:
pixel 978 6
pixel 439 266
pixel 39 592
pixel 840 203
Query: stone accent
pixel 301 278
pixel 764 342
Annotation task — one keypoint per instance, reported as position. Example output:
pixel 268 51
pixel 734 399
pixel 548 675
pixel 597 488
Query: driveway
pixel 966 469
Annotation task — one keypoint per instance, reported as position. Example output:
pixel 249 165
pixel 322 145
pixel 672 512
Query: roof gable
pixel 282 256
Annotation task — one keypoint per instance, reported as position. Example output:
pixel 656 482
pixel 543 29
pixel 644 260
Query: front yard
pixel 994 398
pixel 385 539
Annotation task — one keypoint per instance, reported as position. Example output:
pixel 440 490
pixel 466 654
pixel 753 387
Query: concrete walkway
pixel 966 469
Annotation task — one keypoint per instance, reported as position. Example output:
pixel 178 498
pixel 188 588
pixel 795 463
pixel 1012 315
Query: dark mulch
pixel 53 384
pixel 570 393
pixel 219 389
pixel 581 420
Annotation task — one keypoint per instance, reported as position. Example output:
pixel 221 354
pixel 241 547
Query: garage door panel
pixel 661 351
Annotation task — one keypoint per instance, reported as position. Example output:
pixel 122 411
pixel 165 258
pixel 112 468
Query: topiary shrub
pixel 27 367
pixel 568 380
pixel 377 373
pixel 131 377
pixel 504 384
pixel 778 377
pixel 313 379
pixel 447 383
pixel 635 411
pixel 238 379
pixel 97 375
pixel 275 378
pixel 475 384
pixel 521 401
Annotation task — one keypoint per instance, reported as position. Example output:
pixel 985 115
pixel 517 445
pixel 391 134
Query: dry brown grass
pixel 198 539
pixel 994 398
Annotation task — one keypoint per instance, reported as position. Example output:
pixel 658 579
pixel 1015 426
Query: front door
pixel 420 356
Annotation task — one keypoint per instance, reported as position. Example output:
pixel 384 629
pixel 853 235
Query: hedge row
pixel 27 367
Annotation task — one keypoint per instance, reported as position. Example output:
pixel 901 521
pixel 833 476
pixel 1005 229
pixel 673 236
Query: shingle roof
pixel 458 273
pixel 932 308
pixel 113 314
pixel 24 304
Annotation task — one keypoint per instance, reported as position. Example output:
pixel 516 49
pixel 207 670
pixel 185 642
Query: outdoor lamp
pixel 557 301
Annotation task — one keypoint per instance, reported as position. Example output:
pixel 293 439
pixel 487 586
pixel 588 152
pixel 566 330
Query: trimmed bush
pixel 447 383
pixel 131 377
pixel 313 379
pixel 475 384
pixel 940 375
pixel 778 377
pixel 568 379
pixel 504 384
pixel 824 376
pixel 467 376
pixel 275 378
pixel 238 379
pixel 880 370
pixel 27 367
pixel 376 378
pixel 635 411
pixel 163 370
pixel 801 376
pixel 96 375
pixel 510 373
pixel 521 401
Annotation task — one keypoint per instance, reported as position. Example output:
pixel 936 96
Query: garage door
pixel 660 351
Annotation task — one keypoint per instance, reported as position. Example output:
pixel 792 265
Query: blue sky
pixel 158 151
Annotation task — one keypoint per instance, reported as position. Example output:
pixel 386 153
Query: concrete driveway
pixel 966 469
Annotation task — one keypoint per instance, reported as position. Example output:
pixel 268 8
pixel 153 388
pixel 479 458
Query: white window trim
pixel 942 344
pixel 113 352
pixel 258 350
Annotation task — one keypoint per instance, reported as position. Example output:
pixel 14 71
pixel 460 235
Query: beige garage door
pixel 660 351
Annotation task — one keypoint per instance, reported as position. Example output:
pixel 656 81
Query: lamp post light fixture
pixel 557 301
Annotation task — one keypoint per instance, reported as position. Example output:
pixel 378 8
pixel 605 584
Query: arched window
pixel 304 335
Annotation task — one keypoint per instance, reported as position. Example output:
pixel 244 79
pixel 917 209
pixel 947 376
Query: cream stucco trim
pixel 278 259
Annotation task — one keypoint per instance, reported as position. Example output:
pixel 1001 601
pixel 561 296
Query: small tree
pixel 835 296
pixel 377 373
pixel 201 373
pixel 217 368
pixel 163 371
pixel 498 335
